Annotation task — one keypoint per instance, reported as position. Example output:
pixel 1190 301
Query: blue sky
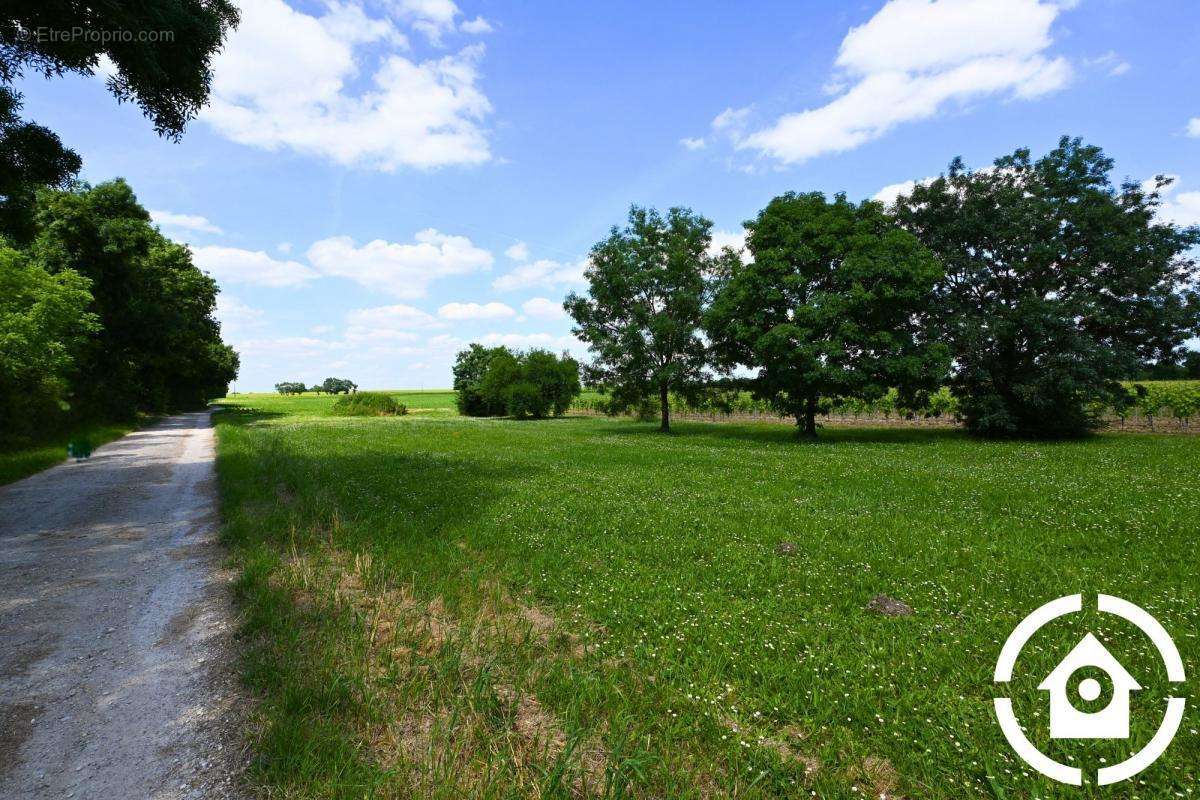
pixel 376 184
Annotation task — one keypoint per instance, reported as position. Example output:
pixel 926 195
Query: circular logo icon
pixel 1089 691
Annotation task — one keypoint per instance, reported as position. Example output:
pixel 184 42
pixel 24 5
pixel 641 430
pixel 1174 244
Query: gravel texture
pixel 116 647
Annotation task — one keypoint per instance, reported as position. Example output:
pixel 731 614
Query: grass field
pixel 22 461
pixel 446 607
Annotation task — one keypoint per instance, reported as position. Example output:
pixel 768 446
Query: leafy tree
pixel 43 322
pixel 532 384
pixel 290 387
pixel 470 367
pixel 31 158
pixel 830 307
pixel 1056 285
pixel 339 386
pixel 647 286
pixel 159 347
pixel 162 65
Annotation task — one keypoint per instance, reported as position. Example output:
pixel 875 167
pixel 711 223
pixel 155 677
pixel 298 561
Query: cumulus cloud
pixel 402 270
pixel 1181 208
pixel 542 274
pixel 283 81
pixel 518 252
pixel 235 265
pixel 690 143
pixel 543 308
pixel 476 26
pixel 183 222
pixel 237 317
pixel 472 311
pixel 1193 127
pixel 907 63
pixel 723 239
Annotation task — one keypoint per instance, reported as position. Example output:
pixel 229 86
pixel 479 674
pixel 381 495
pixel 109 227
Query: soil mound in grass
pixel 367 404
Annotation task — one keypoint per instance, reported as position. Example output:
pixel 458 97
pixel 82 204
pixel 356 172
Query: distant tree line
pixel 495 381
pixel 1030 289
pixel 328 386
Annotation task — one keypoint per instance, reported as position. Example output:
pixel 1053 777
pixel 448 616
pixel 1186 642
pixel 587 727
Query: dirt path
pixel 115 625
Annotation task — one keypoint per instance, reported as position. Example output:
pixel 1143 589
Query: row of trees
pixel 1030 288
pixel 495 381
pixel 100 315
pixel 328 386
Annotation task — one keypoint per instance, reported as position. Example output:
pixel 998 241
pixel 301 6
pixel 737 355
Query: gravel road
pixel 116 625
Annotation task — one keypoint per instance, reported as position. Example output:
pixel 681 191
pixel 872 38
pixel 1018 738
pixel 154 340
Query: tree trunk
pixel 808 428
pixel 665 403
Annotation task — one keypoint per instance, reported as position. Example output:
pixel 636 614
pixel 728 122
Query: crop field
pixel 445 607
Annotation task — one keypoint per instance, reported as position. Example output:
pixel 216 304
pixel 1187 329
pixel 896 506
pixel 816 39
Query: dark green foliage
pixel 44 322
pixel 1058 284
pixel 830 307
pixel 159 347
pixel 367 404
pixel 338 386
pixel 534 384
pixel 290 387
pixel 647 284
pixel 31 157
pixel 163 67
pixel 470 367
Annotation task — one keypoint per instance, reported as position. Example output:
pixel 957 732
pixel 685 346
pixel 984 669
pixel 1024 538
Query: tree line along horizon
pixel 1029 289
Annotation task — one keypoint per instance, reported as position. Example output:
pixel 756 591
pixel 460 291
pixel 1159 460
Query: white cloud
pixel 524 341
pixel 518 252
pixel 470 311
pixel 284 247
pixel 723 239
pixel 235 316
pixel 907 63
pixel 893 191
pixel 186 222
pixel 476 26
pixel 234 265
pixel 543 308
pixel 1181 208
pixel 431 17
pixel 1110 62
pixel 402 270
pixel 1193 127
pixel 282 81
pixel 542 274
pixel 690 143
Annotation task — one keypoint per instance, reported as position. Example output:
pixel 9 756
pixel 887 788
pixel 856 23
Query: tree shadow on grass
pixel 780 434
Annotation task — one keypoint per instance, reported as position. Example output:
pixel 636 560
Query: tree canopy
pixel 1057 284
pixel 496 381
pixel 647 285
pixel 831 305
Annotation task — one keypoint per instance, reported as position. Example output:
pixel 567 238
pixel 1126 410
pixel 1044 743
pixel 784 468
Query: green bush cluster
pixel 368 404
pixel 495 381
pixel 1179 400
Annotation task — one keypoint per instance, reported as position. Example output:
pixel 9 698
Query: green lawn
pixel 442 607
pixel 21 461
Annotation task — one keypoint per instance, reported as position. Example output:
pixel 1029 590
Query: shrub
pixel 367 404
pixel 496 381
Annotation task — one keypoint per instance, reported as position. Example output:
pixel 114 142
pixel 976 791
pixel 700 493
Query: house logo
pixel 1095 666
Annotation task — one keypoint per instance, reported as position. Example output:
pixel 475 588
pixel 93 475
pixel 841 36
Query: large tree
pixel 1057 284
pixel 43 323
pixel 159 347
pixel 647 285
pixel 832 305
pixel 156 54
